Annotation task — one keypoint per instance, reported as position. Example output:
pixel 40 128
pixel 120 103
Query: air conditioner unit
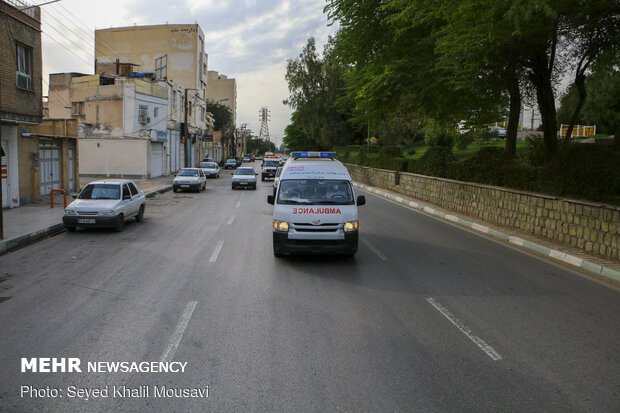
pixel 144 119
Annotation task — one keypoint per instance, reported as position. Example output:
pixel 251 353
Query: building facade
pixel 175 54
pixel 121 123
pixel 20 89
pixel 48 158
pixel 223 89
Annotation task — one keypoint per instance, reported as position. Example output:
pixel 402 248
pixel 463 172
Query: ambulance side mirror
pixel 361 200
pixel 270 199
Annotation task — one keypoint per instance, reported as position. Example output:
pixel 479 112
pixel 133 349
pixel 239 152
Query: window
pixel 77 108
pixel 161 67
pixel 155 112
pixel 143 114
pixel 174 99
pixel 24 67
pixel 133 189
pixel 126 191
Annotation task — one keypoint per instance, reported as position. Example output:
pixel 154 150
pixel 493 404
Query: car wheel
pixel 140 216
pixel 174 189
pixel 120 222
pixel 277 253
pixel 71 229
pixel 254 187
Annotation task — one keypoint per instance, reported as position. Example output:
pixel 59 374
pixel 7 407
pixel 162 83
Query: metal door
pixel 157 159
pixel 49 166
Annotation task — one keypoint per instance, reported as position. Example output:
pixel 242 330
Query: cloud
pixel 249 40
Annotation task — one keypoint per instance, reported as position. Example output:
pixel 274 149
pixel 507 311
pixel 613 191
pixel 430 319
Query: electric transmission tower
pixel 263 117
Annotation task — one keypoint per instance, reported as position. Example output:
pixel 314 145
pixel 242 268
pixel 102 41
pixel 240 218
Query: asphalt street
pixel 426 317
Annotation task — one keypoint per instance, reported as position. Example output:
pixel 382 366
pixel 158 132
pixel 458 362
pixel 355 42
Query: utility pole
pixel 185 134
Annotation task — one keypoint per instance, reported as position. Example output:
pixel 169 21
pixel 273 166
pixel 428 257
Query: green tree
pixel 222 114
pixel 602 105
pixel 315 83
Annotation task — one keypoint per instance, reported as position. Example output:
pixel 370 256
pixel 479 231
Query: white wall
pixel 131 103
pixel 113 157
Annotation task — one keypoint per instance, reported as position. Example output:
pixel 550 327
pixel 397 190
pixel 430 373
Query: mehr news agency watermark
pixel 74 365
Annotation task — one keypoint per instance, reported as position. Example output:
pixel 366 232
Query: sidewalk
pixel 31 222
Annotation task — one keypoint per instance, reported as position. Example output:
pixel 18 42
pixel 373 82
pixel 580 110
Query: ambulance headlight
pixel 350 226
pixel 280 226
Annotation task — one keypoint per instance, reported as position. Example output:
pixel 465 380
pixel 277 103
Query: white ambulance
pixel 315 209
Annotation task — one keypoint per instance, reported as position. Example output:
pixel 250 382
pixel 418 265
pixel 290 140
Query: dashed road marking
pixel 374 249
pixel 490 351
pixel 171 349
pixel 230 220
pixel 216 252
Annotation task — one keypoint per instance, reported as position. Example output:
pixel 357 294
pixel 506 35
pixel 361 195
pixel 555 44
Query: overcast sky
pixel 249 40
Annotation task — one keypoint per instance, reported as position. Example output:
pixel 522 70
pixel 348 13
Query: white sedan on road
pixel 106 203
pixel 244 177
pixel 190 179
pixel 210 169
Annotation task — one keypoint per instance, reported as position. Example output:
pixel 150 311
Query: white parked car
pixel 210 169
pixel 244 177
pixel 106 203
pixel 190 179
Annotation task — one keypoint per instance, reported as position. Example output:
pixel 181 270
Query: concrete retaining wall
pixel 592 227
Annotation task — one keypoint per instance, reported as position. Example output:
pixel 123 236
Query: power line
pixel 64 47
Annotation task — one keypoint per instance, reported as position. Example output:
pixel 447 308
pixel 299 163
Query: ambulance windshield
pixel 315 192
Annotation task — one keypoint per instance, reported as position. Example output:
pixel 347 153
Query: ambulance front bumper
pixel 346 244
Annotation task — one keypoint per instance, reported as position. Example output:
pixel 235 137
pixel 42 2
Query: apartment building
pixel 175 54
pixel 20 91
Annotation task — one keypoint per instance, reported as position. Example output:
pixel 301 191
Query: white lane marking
pixel 374 249
pixel 230 220
pixel 216 252
pixel 171 349
pixel 238 204
pixel 490 351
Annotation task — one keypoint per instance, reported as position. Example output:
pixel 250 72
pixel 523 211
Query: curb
pixel 600 270
pixel 23 240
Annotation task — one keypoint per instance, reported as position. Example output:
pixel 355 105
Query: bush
pixel 439 135
pixel 486 135
pixel 435 162
pixel 584 171
pixel 534 152
pixel 387 154
pixel 463 140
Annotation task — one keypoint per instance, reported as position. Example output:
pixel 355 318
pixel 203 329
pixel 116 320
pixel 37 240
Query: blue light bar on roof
pixel 314 154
